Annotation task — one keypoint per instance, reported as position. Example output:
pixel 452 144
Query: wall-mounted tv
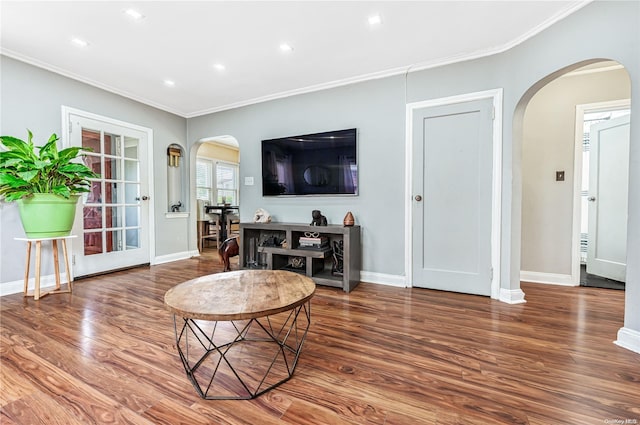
pixel 311 164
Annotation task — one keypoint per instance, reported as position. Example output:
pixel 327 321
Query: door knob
pixel 418 198
pixel 591 198
pixel 144 198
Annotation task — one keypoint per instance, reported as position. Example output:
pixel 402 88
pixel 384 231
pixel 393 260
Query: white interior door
pixel 608 198
pixel 452 180
pixel 113 218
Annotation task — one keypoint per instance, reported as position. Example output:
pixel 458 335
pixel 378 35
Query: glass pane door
pixel 112 221
pixel 111 210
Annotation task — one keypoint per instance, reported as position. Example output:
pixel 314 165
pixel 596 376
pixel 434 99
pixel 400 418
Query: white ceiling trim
pixel 319 87
pixel 402 70
pixel 54 69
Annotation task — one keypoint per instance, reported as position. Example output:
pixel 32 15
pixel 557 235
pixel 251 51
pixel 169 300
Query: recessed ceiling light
pixel 219 67
pixel 285 47
pixel 169 83
pixel 79 42
pixel 134 14
pixel 375 20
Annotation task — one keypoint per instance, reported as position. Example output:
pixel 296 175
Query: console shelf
pixel 260 248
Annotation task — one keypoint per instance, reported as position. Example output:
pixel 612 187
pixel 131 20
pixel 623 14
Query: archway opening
pixel 549 128
pixel 215 193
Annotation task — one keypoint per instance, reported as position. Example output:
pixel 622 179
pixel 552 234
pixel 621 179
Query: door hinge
pixel 73 260
pixel 493 112
pixel 491 273
pixel 70 127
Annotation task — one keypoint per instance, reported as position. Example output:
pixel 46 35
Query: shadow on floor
pixel 594 281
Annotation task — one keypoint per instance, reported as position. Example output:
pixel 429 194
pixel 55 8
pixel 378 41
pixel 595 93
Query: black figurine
pixel 318 218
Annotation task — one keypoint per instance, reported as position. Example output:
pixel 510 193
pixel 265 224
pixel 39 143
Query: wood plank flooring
pixel 378 355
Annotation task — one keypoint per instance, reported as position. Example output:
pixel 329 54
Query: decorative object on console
pixel 298 262
pixel 313 240
pixel 262 216
pixel 318 218
pixel 348 219
pixel 228 249
pixel 271 241
pixel 338 258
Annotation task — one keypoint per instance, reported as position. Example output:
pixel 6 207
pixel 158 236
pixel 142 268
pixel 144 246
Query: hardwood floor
pixel 378 355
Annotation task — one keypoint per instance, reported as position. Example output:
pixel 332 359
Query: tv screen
pixel 312 164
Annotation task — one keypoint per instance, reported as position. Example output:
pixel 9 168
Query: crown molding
pixel 573 7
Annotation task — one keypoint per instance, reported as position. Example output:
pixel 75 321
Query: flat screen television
pixel 311 164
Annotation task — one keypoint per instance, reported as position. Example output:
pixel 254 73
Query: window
pixel 204 181
pixel 225 188
pixel 226 183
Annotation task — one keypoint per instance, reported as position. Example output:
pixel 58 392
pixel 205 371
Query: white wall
pixel 548 146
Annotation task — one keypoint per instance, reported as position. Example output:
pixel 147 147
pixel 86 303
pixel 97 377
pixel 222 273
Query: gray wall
pixel 377 109
pixel 32 98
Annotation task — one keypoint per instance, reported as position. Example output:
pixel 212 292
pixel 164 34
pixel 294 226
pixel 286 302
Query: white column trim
pixel 512 296
pixel 629 339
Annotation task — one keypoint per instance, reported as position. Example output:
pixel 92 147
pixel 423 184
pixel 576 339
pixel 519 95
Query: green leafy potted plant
pixel 45 184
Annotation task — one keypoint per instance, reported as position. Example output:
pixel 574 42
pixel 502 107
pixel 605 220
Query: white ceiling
pixel 332 42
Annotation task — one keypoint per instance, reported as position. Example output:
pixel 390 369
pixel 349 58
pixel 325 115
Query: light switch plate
pixel 248 181
pixel 559 176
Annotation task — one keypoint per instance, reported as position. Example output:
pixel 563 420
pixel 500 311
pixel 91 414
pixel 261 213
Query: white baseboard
pixel 629 339
pixel 512 296
pixel 17 286
pixel 547 278
pixel 383 279
pixel 175 257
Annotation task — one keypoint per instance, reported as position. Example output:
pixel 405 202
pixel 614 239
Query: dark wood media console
pixel 261 247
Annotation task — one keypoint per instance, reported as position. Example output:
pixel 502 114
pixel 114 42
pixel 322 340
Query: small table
pixel 222 209
pixel 240 334
pixel 54 241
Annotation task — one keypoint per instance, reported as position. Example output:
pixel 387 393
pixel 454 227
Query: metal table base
pixel 240 360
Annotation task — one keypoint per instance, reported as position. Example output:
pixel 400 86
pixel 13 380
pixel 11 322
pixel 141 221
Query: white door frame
pixel 577 177
pixel 496 193
pixel 66 142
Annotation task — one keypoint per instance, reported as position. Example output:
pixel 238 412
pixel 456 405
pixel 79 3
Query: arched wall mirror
pixel 176 198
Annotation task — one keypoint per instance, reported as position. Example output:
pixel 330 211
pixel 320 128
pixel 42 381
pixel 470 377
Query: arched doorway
pixel 546 125
pixel 215 163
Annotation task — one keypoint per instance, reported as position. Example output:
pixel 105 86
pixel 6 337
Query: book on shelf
pixel 319 240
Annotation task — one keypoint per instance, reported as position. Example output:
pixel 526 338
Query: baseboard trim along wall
pixel 17 286
pixel 175 257
pixel 548 278
pixel 629 339
pixel 383 279
pixel 512 296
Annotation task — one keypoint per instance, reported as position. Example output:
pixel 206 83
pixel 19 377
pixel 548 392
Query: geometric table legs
pixel 241 359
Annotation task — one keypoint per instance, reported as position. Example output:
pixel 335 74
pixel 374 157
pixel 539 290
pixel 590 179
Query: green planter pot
pixel 45 215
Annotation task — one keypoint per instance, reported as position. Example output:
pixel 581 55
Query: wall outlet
pixel 248 181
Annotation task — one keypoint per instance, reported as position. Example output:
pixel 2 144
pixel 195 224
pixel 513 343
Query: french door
pixel 112 220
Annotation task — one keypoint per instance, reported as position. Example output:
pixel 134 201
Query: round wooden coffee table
pixel 241 333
